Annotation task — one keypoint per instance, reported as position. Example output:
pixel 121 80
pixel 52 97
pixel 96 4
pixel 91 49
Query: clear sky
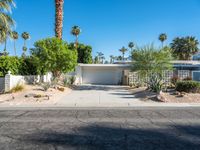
pixel 107 25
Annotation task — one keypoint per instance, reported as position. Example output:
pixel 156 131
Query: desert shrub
pixel 46 86
pixel 187 79
pixel 151 62
pixel 188 86
pixel 17 88
pixel 174 80
pixel 65 82
pixel 72 80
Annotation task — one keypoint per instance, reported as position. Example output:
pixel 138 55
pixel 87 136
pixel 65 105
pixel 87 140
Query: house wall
pixel 100 74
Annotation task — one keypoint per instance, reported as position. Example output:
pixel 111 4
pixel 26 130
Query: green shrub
pixel 30 66
pixel 188 86
pixel 46 86
pixel 17 88
pixel 9 63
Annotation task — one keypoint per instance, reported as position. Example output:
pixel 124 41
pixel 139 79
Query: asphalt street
pixel 109 129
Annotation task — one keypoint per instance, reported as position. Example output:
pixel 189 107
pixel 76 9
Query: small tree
pixel 54 55
pixel 150 63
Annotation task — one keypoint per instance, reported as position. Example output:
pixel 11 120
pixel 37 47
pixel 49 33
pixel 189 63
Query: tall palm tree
pixel 184 47
pixel 25 36
pixel 5 33
pixel 131 45
pixel 162 38
pixel 76 30
pixel 59 18
pixel 100 57
pixel 6 21
pixel 112 58
pixel 15 37
pixel 5 8
pixel 123 50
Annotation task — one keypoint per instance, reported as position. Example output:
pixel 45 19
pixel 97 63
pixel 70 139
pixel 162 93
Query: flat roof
pixel 104 65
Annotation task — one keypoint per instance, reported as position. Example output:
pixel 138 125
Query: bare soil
pixel 171 97
pixel 26 96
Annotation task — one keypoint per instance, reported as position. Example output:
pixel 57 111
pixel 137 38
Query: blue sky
pixel 107 25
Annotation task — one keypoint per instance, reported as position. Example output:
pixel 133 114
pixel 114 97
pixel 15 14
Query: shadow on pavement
pixel 98 87
pixel 102 137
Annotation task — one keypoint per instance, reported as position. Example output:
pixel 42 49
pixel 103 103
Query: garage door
pixel 100 76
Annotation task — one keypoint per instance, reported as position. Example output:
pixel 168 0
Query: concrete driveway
pixel 99 96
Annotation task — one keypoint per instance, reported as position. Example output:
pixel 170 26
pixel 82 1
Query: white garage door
pixel 101 76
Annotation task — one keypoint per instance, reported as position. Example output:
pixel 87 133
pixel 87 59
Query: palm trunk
pixel 5 48
pixel 76 42
pixel 59 18
pixel 15 48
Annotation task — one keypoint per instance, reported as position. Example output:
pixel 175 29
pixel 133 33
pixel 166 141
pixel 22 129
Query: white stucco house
pixel 118 74
pixel 102 74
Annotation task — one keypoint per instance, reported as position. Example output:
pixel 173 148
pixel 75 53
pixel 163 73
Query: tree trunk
pixel 59 18
pixel 5 48
pixel 15 48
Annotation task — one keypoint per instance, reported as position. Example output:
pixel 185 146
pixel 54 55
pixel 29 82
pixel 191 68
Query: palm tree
pixel 123 50
pixel 25 36
pixel 5 8
pixel 183 48
pixel 6 21
pixel 76 30
pixel 162 38
pixel 100 57
pixel 59 18
pixel 112 58
pixel 15 37
pixel 131 45
pixel 5 33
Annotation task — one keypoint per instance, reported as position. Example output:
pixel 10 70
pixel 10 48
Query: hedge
pixel 188 86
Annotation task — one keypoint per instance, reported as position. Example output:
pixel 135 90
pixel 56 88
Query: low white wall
pixel 12 80
pixel 2 84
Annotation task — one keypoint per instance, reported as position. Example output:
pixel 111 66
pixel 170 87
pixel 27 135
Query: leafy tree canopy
pixel 9 63
pixel 53 55
pixel 84 53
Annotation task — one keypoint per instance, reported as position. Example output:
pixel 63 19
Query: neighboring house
pixel 118 74
pixel 196 57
